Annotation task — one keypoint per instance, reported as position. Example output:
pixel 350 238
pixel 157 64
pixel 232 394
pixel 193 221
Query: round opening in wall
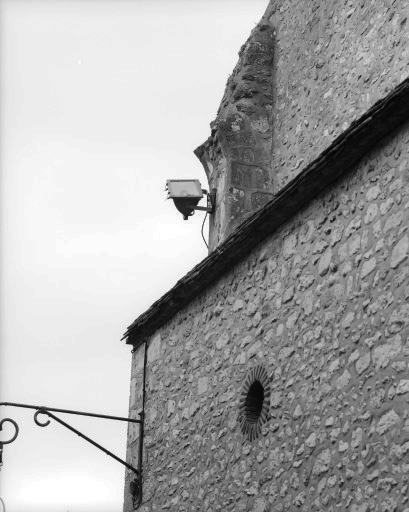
pixel 254 402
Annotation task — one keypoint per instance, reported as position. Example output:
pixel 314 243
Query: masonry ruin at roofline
pixel 237 155
pixel 283 384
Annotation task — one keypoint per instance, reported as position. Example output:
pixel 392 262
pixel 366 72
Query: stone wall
pixel 325 64
pixel 323 306
pixel 333 60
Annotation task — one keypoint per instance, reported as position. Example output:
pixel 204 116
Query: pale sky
pixel 101 102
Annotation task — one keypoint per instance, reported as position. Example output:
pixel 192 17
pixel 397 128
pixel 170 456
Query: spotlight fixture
pixel 186 195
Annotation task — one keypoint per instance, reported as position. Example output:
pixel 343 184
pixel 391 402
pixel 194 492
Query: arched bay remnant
pixel 237 155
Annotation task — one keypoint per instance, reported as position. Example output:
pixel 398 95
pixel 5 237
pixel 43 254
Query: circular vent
pixel 254 400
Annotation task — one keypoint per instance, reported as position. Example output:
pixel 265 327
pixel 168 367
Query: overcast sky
pixel 101 102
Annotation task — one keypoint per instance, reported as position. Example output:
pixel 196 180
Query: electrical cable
pixel 204 239
pixel 3 505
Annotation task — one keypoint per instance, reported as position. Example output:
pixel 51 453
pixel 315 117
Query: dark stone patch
pixel 259 199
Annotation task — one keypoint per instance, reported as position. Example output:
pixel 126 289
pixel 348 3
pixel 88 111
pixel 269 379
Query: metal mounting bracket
pixel 211 202
pixel 136 484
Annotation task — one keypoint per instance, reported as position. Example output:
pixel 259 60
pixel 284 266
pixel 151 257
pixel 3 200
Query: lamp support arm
pixel 211 202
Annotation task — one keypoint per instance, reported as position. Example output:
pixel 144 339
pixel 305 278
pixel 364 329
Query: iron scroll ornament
pixel 12 438
pixel 136 484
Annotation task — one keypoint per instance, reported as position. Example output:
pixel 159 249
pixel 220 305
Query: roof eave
pixel 343 153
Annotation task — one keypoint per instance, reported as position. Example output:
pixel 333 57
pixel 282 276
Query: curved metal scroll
pixel 16 430
pixel 12 438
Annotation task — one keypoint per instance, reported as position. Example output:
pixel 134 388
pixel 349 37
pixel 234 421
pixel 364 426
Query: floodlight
pixel 186 194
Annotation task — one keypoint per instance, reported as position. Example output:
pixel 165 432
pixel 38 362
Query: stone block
pixel 202 385
pixel 325 262
pixel 387 421
pixel 400 252
pixel 154 348
pixel 322 462
pixel 363 363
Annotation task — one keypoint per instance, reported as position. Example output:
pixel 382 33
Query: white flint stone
pixel 353 226
pixel 289 245
pixel 373 193
pixel 238 304
pixel 322 462
pixel 368 267
pixel 356 437
pixel 383 354
pixel 154 348
pixel 260 505
pixel 342 447
pixel 348 319
pixel 275 400
pixel 343 380
pixel 297 412
pixel 171 407
pixel 222 340
pixel 324 262
pixel 354 244
pixel 392 222
pixel 292 320
pixel 364 507
pixel 288 294
pixel 388 420
pixel 371 213
pixel 386 206
pixel 308 302
pixel 333 366
pixel 311 440
pixel 400 251
pixel 286 352
pixel 363 363
pixel 403 387
pixel 202 385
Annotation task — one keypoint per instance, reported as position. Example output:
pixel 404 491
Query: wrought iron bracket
pixel 136 484
pixel 211 202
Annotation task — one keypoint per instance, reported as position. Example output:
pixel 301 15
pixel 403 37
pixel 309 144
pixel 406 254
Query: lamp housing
pixel 185 194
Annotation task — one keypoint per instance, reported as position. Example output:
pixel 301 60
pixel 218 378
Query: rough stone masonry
pixel 306 72
pixel 322 304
